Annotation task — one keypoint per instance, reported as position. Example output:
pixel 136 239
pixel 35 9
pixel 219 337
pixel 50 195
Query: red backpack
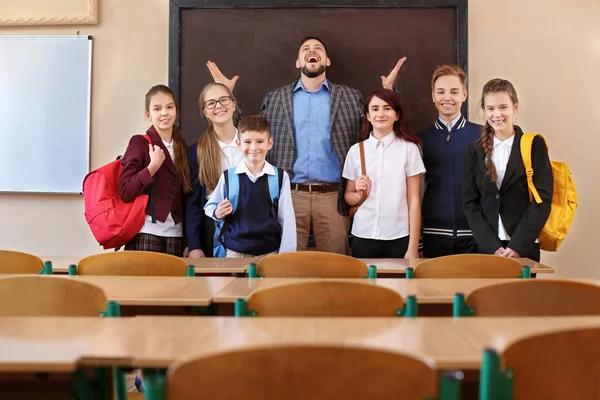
pixel 112 221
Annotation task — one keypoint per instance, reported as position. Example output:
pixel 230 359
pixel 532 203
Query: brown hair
pixel 254 123
pixel 486 140
pixel 448 69
pixel 179 147
pixel 208 150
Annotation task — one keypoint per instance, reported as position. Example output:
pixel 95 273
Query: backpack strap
pixel 275 183
pixel 526 145
pixel 152 193
pixel 232 192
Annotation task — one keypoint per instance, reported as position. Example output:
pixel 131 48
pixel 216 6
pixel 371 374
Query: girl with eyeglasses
pixel 215 151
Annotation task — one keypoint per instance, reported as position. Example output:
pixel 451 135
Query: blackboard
pixel 259 42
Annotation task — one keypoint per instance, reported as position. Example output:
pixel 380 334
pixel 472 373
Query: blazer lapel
pixel 481 165
pixel 514 161
pixel 288 109
pixel 156 140
pixel 334 102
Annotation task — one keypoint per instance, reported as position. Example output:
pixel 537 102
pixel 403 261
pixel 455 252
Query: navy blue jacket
pixel 194 204
pixel 443 154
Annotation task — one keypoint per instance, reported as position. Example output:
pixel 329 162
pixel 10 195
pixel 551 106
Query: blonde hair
pixel 208 150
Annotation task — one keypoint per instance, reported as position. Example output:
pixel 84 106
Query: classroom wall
pixel 130 47
pixel 550 51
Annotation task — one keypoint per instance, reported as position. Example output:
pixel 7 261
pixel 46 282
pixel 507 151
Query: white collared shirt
pixel 500 156
pixel 231 155
pixel 285 211
pixel 454 121
pixel 168 228
pixel 390 161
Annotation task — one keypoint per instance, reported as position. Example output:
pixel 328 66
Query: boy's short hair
pixel 254 123
pixel 448 69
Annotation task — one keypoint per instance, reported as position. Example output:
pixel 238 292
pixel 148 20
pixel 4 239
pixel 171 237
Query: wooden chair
pixel 311 264
pixel 307 372
pixel 549 366
pixel 132 263
pixel 533 298
pixel 326 298
pixel 469 266
pixel 14 262
pixel 37 296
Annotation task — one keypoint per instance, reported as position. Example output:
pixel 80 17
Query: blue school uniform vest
pixel 253 228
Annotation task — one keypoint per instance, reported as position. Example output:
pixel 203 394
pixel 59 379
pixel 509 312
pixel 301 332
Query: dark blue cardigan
pixel 194 204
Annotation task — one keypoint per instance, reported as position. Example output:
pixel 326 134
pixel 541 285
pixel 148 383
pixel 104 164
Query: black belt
pixel 316 187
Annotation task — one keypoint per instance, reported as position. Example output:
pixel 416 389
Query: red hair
pixel 402 127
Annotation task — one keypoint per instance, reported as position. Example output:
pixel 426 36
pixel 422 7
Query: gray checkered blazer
pixel 346 107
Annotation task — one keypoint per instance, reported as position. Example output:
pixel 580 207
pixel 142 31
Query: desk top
pixel 55 344
pixel 156 290
pixel 52 344
pixel 432 291
pixel 61 264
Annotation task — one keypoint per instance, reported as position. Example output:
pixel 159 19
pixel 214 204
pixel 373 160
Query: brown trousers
pixel 319 210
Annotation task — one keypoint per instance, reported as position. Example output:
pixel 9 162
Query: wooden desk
pixel 59 344
pixel 398 265
pixel 385 266
pixel 452 343
pixel 51 344
pixel 428 291
pixel 164 291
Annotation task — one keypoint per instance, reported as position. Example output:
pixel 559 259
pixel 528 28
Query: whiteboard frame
pixel 88 114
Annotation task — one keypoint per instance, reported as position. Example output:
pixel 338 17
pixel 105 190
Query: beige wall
pixel 130 53
pixel 550 50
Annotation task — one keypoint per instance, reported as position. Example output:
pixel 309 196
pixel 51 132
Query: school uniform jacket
pixel 483 201
pixel 443 154
pixel 135 178
pixel 346 115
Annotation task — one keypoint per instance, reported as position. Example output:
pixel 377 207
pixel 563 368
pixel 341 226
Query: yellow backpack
pixel 564 199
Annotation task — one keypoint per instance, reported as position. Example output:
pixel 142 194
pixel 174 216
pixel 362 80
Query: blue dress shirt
pixel 315 159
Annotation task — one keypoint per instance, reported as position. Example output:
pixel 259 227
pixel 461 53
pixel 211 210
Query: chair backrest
pixel 303 372
pixel 15 262
pixel 132 263
pixel 325 298
pixel 469 266
pixel 311 264
pixel 38 296
pixel 536 297
pixel 557 365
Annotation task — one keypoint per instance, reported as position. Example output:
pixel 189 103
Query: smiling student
pixel 215 152
pixel 387 224
pixel 259 225
pixel 160 168
pixel 445 229
pixel 495 194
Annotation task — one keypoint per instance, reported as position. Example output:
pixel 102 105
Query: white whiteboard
pixel 45 85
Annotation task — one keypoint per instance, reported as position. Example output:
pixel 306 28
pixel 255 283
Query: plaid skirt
pixel 158 244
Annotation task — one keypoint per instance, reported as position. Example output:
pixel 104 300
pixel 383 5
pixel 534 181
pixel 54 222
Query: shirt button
pixel 171 196
pixel 173 183
pixel 497 196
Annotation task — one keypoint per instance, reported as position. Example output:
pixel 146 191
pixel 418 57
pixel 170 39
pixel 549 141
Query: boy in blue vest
pixel 445 229
pixel 260 222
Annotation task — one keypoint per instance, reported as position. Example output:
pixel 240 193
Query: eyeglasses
pixel 224 101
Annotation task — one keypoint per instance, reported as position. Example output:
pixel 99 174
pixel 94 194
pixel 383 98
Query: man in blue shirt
pixel 314 123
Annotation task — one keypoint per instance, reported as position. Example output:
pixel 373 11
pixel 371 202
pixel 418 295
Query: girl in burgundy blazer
pixel 159 168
